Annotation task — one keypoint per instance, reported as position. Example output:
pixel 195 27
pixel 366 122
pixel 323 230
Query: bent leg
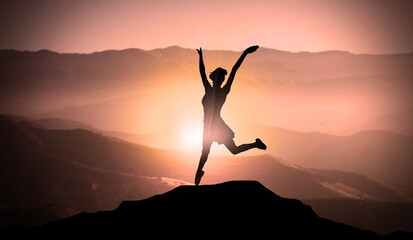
pixel 234 149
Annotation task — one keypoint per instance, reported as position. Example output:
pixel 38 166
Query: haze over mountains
pixel 380 154
pixel 86 171
pixel 91 130
pixel 98 152
pixel 327 91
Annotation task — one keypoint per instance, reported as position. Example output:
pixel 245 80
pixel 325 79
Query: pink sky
pixel 86 26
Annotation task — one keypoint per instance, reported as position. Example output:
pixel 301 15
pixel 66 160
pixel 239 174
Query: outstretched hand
pixel 199 51
pixel 251 49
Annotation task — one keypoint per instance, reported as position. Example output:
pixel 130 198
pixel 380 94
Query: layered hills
pixel 383 155
pixel 87 171
pixel 328 91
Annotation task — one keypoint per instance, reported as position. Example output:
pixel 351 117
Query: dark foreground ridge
pixel 230 209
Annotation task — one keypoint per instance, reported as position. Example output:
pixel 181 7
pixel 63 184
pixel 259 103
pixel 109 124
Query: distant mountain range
pixel 326 91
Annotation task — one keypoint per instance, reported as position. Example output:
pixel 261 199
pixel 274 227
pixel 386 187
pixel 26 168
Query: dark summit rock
pixel 230 209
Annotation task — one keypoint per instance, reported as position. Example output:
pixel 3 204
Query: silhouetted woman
pixel 215 129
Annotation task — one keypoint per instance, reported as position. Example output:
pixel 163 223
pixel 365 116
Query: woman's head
pixel 218 76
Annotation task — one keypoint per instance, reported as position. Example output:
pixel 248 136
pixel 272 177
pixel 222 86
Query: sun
pixel 191 137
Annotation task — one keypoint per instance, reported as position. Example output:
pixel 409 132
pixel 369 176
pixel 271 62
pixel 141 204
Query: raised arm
pixel 231 77
pixel 205 82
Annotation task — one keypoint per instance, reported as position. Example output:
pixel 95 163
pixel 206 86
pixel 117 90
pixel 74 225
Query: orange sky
pixel 86 26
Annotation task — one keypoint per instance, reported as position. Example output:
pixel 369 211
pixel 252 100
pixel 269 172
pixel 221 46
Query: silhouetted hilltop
pixel 230 209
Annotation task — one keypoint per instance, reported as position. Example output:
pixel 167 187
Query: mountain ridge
pixel 230 209
pixel 173 47
pixel 32 79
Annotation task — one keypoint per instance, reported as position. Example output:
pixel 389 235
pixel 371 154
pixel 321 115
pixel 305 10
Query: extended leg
pixel 234 149
pixel 204 156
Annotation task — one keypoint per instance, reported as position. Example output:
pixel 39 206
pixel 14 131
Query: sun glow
pixel 191 137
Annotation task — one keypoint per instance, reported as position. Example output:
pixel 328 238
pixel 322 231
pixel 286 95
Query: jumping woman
pixel 215 129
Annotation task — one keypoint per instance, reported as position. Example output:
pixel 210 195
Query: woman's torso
pixel 212 102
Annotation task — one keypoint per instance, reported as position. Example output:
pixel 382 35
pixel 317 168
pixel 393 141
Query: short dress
pixel 215 129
